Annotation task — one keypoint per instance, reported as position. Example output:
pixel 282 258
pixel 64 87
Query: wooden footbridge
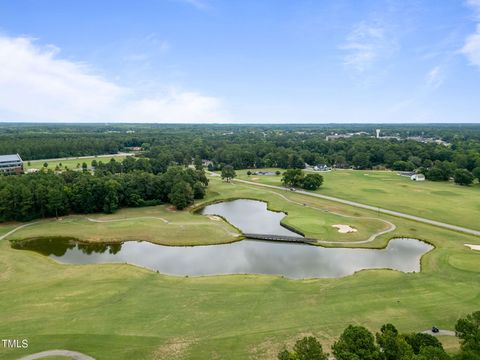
pixel 283 238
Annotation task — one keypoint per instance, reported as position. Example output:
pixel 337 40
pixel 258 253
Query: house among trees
pixel 206 162
pixel 417 177
pixel 11 164
pixel 321 167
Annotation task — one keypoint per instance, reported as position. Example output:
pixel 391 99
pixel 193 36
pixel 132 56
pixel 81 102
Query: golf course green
pixel 388 190
pixel 119 311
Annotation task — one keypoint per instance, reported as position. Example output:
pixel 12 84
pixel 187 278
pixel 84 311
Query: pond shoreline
pixel 248 257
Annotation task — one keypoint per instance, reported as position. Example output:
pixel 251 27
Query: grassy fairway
pixel 162 225
pixel 72 162
pixel 116 311
pixel 446 202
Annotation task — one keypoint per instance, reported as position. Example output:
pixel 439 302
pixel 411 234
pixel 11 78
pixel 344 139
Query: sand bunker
pixel 473 247
pixel 216 218
pixel 255 179
pixel 344 229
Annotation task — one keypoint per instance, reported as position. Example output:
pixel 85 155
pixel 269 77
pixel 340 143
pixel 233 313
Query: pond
pixel 250 216
pixel 292 260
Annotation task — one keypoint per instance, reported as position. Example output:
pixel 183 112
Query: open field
pixel 72 162
pixel 124 312
pixel 441 201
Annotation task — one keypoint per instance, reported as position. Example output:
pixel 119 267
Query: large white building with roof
pixel 11 164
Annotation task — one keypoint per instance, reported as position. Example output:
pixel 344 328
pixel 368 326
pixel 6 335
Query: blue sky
pixel 248 61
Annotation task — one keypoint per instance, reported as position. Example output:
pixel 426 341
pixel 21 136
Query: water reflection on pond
pixel 251 216
pixel 243 257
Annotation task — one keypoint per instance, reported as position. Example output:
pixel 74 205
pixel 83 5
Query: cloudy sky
pixel 249 61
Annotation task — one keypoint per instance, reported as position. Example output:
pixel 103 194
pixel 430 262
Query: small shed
pixel 417 177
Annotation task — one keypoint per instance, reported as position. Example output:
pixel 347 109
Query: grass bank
pixel 125 312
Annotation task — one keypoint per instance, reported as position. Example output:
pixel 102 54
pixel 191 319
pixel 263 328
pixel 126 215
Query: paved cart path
pixel 15 229
pixel 68 353
pixel 369 207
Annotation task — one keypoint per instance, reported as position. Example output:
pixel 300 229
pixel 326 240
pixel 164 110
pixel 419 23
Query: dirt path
pixel 372 208
pixel 68 353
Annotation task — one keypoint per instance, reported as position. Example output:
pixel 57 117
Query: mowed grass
pixel 441 201
pixel 115 311
pixel 71 163
pixel 157 224
pixel 163 225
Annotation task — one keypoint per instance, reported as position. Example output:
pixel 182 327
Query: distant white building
pixel 377 131
pixel 417 177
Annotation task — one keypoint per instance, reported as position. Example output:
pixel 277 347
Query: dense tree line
pixel 249 146
pixel 46 194
pixel 358 343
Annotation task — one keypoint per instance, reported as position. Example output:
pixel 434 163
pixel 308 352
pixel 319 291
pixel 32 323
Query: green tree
pixel 468 331
pixel 307 348
pixel 419 340
pixel 198 190
pixel 312 181
pixel 293 177
pixel 249 173
pixel 435 174
pixel 56 201
pixel 361 160
pixel 110 201
pixel 463 177
pixel 476 173
pixel 181 195
pixel 94 163
pixel 45 164
pixel 356 343
pixel 295 162
pixel 285 355
pixel 393 346
pixel 197 161
pixel 228 173
pixel 432 353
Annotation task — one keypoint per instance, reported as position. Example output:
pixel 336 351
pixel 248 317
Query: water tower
pixel 378 133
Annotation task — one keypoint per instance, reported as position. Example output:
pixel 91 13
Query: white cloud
pixel 37 85
pixel 435 77
pixel 366 44
pixel 471 47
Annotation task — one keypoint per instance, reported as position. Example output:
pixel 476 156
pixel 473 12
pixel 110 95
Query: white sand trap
pixel 255 179
pixel 216 218
pixel 344 229
pixel 473 247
